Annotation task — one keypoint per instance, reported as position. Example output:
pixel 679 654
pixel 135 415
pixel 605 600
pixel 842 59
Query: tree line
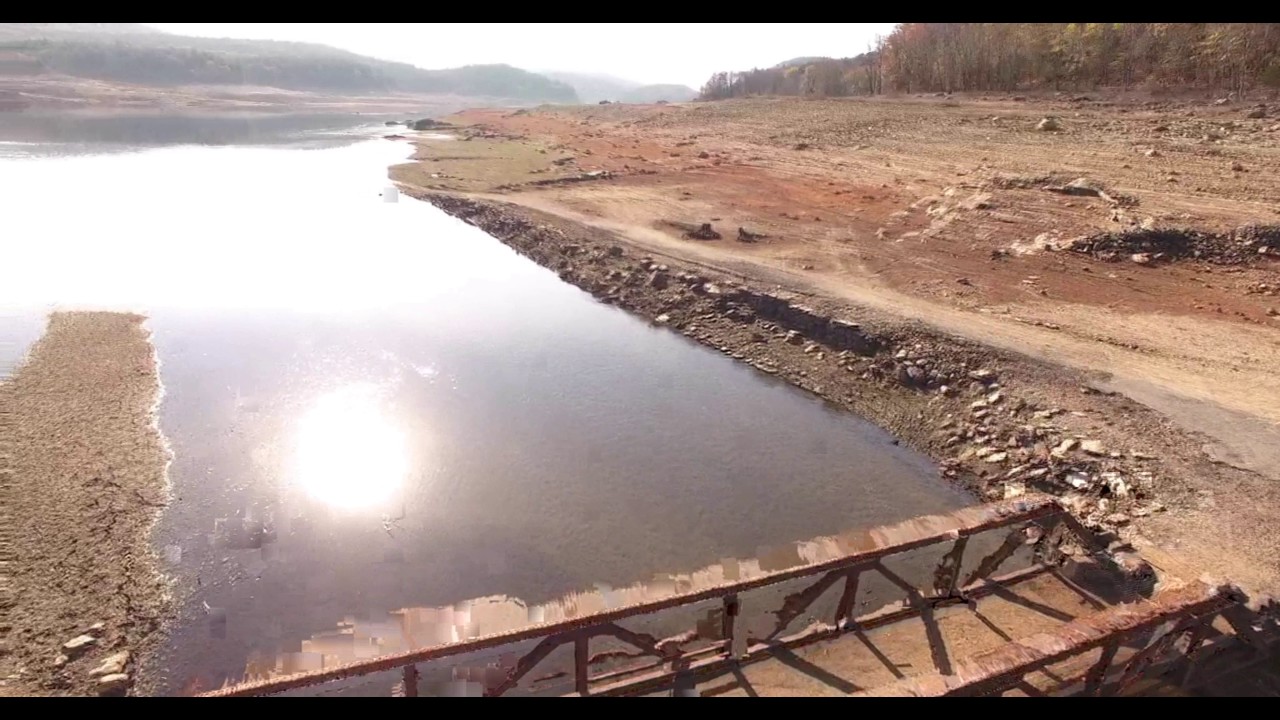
pixel 960 57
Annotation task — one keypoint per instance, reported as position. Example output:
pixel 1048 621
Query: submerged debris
pixel 692 231
pixel 703 232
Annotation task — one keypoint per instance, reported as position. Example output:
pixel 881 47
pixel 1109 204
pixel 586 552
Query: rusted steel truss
pixel 1034 520
pixel 1131 638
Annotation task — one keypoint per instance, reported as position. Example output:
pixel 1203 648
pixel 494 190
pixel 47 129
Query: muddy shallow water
pixel 372 405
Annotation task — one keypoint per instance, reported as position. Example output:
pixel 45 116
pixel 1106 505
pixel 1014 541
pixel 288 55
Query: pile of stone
pixel 110 674
pixel 1145 246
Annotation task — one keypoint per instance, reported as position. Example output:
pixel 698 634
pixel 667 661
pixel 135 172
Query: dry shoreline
pixel 999 423
pixel 83 479
pixel 1115 277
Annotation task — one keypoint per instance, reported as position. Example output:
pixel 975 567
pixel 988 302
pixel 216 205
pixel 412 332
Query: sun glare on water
pixel 350 454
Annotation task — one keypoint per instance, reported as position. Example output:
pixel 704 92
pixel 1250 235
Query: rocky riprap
pixel 1242 246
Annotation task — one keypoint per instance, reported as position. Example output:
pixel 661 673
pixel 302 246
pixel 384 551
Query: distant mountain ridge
pixel 83 28
pixel 595 88
pixel 801 61
pixel 135 54
pixel 659 93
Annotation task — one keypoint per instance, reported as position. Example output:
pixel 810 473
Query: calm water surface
pixel 375 406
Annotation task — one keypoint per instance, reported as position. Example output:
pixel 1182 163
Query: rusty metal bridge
pixel 1151 627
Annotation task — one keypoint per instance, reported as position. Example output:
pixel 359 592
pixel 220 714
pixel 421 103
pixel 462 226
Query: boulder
pixel 112 665
pixel 78 644
pixel 1049 125
pixel 1064 447
pixel 985 376
pixel 114 684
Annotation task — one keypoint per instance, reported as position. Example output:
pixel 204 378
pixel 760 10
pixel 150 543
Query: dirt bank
pixel 878 282
pixel 83 478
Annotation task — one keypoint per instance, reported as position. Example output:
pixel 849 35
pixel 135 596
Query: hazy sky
pixel 686 53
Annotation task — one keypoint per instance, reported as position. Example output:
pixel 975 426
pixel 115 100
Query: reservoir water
pixel 372 405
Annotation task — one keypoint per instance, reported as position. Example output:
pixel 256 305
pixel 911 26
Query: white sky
pixel 686 53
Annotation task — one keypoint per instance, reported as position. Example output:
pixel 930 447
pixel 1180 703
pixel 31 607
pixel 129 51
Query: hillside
pixel 130 54
pixel 959 57
pixel 1153 56
pixel 817 77
pixel 592 89
pixel 657 93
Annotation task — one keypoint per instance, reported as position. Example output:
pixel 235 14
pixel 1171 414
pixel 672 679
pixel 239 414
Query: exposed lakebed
pixel 373 405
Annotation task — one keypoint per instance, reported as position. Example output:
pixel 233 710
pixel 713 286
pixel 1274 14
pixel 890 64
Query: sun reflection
pixel 349 453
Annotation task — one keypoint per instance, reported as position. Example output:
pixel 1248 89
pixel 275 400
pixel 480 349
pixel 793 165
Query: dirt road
pixel 83 475
pixel 1102 254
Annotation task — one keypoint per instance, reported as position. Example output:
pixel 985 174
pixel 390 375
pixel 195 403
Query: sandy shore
pixel 83 478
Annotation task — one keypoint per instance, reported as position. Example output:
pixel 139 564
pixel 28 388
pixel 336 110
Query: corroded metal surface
pixel 1004 667
pixel 565 620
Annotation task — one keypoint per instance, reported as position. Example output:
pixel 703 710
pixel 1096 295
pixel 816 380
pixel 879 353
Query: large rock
pixel 1049 125
pixel 77 645
pixel 1093 447
pixel 113 665
pixel 114 684
pixel 429 124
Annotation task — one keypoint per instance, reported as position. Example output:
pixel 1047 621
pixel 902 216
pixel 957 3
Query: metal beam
pixel 872 546
pixel 1004 667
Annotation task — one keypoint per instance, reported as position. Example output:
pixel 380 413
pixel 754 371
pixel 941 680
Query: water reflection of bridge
pixel 1012 597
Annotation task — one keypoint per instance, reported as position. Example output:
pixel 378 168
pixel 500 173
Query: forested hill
pixel 132 54
pixel 592 89
pixel 957 57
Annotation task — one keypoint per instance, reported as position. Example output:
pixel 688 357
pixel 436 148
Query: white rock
pixel 113 683
pixel 113 665
pixel 78 644
pixel 998 457
pixel 1093 447
pixel 1079 481
pixel 1115 483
